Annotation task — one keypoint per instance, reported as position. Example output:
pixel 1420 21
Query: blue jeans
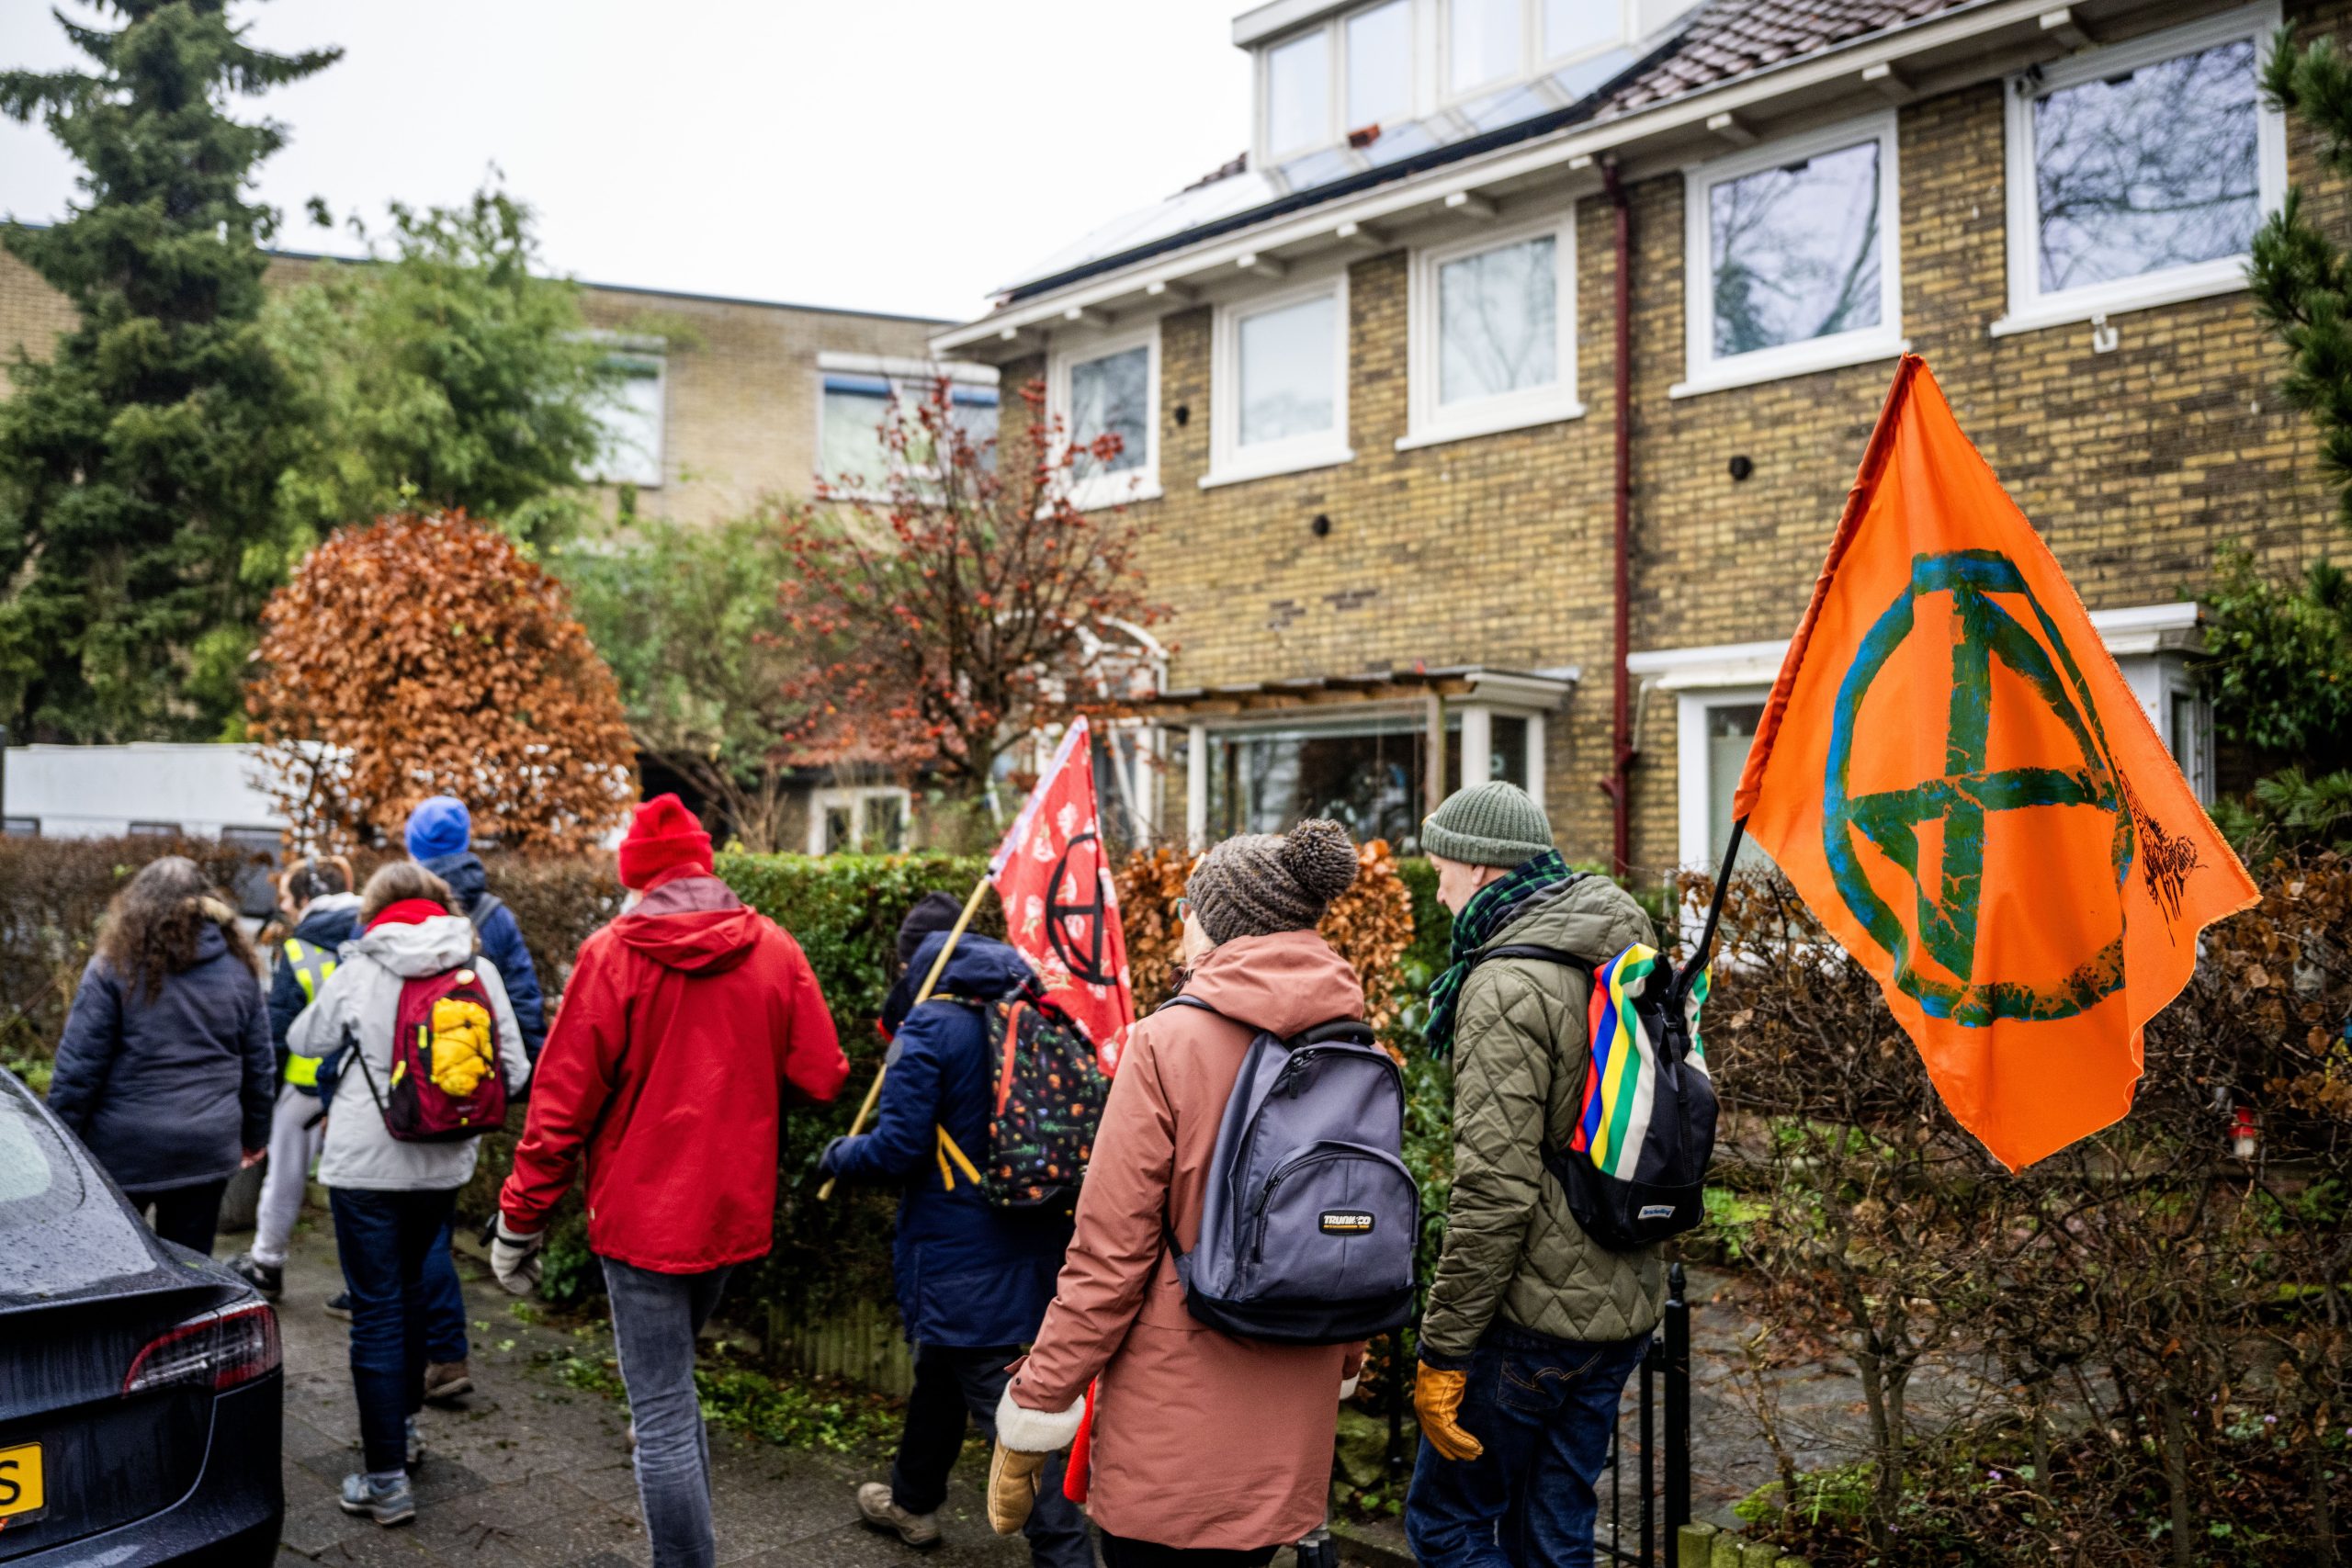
pixel 385 1240
pixel 1544 1408
pixel 655 1320
pixel 445 1304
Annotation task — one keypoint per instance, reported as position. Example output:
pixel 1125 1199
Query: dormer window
pixel 1298 94
pixel 1380 65
pixel 1495 43
pixel 1351 72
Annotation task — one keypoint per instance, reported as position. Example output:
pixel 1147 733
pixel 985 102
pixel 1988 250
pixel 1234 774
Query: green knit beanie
pixel 1487 824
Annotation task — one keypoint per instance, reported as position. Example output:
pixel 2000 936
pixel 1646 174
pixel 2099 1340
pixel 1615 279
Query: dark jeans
pixel 1119 1553
pixel 1545 1409
pixel 954 1382
pixel 445 1304
pixel 656 1318
pixel 188 1215
pixel 386 1240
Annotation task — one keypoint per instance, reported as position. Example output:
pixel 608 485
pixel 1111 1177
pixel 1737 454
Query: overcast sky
pixel 904 156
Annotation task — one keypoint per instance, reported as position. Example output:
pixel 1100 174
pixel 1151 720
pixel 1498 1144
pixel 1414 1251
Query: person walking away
pixel 1208 1448
pixel 440 837
pixel 315 896
pixel 973 1280
pixel 1531 1326
pixel 165 1068
pixel 687 1024
pixel 392 1197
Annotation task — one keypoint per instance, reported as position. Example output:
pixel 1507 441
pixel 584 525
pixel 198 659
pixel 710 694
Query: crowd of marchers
pixel 1135 1409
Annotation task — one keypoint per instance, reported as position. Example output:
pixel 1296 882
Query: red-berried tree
pixel 958 602
pixel 427 655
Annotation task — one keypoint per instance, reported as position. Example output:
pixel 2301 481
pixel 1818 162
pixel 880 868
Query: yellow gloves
pixel 1437 1403
pixel 461 1046
pixel 1013 1488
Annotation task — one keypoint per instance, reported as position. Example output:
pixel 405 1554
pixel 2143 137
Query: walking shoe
pixel 266 1278
pixel 447 1380
pixel 415 1449
pixel 339 1305
pixel 388 1503
pixel 882 1511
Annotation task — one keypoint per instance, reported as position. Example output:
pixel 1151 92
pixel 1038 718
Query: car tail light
pixel 221 1349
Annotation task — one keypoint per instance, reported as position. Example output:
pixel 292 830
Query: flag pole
pixel 938 967
pixel 1698 960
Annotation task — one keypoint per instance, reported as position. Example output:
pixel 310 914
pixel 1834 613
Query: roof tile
pixel 1732 38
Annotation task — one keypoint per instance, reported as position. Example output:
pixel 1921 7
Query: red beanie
pixel 663 837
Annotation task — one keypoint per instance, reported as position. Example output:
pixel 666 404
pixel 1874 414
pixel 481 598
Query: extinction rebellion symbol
pixel 1961 799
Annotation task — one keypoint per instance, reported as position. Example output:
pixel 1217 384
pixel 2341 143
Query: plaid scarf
pixel 1490 911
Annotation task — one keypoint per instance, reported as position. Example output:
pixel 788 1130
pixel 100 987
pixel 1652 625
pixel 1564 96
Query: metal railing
pixel 1661 1396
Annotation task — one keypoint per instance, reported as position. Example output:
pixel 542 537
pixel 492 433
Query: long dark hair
pixel 153 925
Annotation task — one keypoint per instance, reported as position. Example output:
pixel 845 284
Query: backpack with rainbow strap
pixel 1635 1170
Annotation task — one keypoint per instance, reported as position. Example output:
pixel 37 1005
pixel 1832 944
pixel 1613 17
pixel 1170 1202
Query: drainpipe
pixel 1618 785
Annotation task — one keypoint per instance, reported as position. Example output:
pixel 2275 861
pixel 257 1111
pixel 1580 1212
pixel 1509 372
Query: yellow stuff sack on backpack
pixel 461 1046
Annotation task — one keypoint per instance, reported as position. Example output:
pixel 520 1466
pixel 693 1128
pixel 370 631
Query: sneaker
pixel 266 1278
pixel 387 1505
pixel 415 1444
pixel 339 1305
pixel 882 1511
pixel 447 1380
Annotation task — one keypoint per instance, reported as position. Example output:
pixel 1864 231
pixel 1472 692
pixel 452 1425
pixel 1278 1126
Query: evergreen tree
pixel 136 463
pixel 2300 278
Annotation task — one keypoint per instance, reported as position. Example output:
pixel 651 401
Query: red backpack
pixel 446 1082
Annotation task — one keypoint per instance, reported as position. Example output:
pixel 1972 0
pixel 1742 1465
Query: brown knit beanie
pixel 1262 882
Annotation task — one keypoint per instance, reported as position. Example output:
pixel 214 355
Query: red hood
pixel 692 923
pixel 1282 984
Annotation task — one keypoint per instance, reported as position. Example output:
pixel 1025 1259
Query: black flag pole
pixel 1697 962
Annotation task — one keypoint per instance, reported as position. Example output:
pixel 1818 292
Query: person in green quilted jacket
pixel 1531 1326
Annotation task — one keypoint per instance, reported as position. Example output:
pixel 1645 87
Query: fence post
pixel 1650 1359
pixel 1392 1396
pixel 1677 1413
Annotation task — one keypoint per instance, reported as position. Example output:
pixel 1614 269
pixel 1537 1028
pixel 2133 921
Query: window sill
pixel 1097 497
pixel 2071 311
pixel 1304 462
pixel 1494 423
pixel 1833 356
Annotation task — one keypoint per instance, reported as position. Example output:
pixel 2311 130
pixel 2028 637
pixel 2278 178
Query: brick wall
pixel 741 420
pixel 2136 464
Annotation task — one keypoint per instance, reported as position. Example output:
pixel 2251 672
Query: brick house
pixel 723 402
pixel 1369 376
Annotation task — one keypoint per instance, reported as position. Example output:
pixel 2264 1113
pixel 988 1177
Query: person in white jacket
pixel 392 1198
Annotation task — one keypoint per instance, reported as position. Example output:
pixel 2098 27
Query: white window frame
pixel 1229 461
pixel 2030 308
pixel 1428 421
pixel 1334 30
pixel 1546 62
pixel 1534 59
pixel 1704 372
pixel 910 381
pixel 852 798
pixel 1137 484
pixel 617 346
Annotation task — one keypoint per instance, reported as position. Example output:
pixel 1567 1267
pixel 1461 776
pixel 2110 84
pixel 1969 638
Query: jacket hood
pixel 209 945
pixel 1283 984
pixel 981 967
pixel 1589 916
pixel 694 924
pixel 330 919
pixel 463 873
pixel 428 947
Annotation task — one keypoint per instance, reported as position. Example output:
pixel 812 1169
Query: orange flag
pixel 1955 776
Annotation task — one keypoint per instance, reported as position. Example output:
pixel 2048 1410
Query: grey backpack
pixel 1310 1219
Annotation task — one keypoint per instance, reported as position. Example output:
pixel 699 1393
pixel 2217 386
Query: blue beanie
pixel 439 827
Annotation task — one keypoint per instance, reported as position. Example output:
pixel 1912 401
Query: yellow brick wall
pixel 741 415
pixel 2135 464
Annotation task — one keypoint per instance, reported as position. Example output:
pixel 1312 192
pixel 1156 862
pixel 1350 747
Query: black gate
pixel 1638 1529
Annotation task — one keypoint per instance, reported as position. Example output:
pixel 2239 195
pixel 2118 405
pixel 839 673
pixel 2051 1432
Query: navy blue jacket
pixel 168 1090
pixel 502 944
pixel 329 928
pixel 968 1275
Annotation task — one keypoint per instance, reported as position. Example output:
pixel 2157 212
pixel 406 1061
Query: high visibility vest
pixel 313 966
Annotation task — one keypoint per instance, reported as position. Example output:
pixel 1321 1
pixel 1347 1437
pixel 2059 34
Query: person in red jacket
pixel 688 1022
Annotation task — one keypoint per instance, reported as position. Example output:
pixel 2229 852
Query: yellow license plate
pixel 21 1495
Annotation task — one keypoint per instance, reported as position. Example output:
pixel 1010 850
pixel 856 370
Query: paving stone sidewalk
pixel 532 1472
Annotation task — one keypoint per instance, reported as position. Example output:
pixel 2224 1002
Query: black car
pixel 140 1389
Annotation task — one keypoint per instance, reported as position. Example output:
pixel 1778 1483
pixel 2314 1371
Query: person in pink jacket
pixel 1206 1448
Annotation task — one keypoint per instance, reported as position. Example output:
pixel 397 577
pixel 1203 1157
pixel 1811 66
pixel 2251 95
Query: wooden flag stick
pixel 938 967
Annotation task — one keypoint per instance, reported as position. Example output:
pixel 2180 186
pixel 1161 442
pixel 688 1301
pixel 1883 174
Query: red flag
pixel 1060 908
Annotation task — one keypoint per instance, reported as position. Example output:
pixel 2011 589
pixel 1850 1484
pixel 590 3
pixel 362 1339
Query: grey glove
pixel 515 1257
